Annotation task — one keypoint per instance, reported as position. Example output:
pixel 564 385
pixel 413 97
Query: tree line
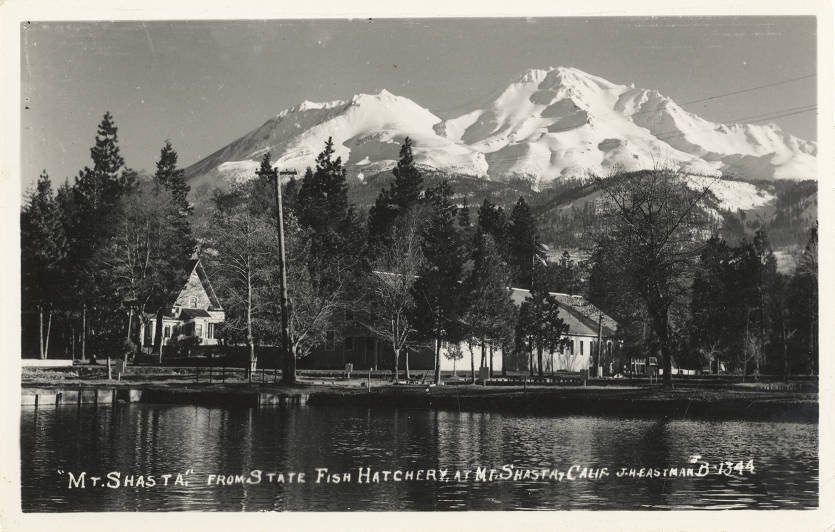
pixel 104 253
pixel 680 291
pixel 414 272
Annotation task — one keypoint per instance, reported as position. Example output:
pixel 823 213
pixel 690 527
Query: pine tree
pixel 438 288
pixel 323 208
pixel 490 312
pixel 802 319
pixel 540 324
pixel 171 178
pixel 381 218
pixel 493 221
pixel 713 305
pixel 323 197
pixel 96 197
pixel 43 255
pixel 103 184
pixel 393 203
pixel 524 248
pixel 290 195
pixel 261 192
pixel 408 181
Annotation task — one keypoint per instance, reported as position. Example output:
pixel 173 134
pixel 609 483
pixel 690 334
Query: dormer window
pixel 192 302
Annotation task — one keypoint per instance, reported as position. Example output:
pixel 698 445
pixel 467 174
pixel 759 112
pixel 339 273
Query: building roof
pixel 185 314
pixel 581 316
pixel 191 313
pixel 207 285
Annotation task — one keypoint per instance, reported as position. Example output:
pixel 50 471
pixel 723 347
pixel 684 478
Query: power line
pixel 725 94
pixel 750 118
pixel 780 113
pixel 750 89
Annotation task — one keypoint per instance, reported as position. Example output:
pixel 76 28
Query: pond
pixel 316 458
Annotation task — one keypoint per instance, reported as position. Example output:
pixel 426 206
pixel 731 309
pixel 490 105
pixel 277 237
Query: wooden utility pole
pixel 288 376
pixel 83 331
pixel 600 343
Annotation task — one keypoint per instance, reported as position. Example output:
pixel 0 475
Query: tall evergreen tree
pixel 524 247
pixel 261 193
pixel 96 197
pixel 541 324
pixel 802 321
pixel 43 256
pixel 408 181
pixel 171 177
pixel 102 185
pixel 323 196
pixel 322 207
pixel 490 313
pixel 493 221
pixel 715 305
pixel 394 202
pixel 438 288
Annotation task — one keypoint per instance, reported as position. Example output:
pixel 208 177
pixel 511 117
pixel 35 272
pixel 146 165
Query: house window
pixel 349 315
pixel 192 302
pixel 349 344
pixel 330 341
pixel 167 332
pixel 198 329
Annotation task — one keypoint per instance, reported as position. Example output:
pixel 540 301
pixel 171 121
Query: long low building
pixel 585 324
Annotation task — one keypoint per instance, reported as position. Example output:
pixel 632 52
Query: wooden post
pixel 288 376
pixel 84 331
pixel 109 370
pixel 602 370
pixel 491 360
pixel 40 331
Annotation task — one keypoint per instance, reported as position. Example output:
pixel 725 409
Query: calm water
pixel 157 440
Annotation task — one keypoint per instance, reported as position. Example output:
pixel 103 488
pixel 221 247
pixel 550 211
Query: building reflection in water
pixel 154 440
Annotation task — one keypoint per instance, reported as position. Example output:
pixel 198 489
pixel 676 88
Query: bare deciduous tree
pixel 389 307
pixel 653 227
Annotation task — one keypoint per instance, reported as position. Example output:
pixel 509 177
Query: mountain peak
pixel 549 123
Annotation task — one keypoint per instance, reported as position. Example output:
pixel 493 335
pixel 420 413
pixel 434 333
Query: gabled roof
pixel 579 308
pixel 207 285
pixel 194 265
pixel 185 314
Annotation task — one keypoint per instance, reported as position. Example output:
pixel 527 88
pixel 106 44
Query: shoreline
pixel 609 401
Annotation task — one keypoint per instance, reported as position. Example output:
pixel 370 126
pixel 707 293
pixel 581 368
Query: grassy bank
pixel 732 401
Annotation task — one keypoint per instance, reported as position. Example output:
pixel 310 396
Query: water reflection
pixel 156 440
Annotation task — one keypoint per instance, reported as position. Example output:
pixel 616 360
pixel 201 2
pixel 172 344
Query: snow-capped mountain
pixel 548 124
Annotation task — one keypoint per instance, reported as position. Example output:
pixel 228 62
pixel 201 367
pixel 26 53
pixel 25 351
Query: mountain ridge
pixel 547 124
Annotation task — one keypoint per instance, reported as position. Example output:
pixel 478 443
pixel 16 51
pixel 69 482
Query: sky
pixel 203 84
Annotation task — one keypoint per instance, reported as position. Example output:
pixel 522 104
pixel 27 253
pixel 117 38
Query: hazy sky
pixel 203 84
